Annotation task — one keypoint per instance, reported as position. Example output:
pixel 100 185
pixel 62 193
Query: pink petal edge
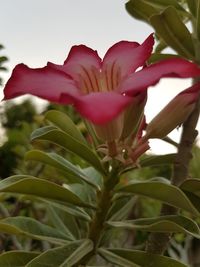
pixel 100 108
pixel 46 83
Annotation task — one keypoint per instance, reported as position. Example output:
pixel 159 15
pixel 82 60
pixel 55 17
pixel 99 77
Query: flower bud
pixel 174 114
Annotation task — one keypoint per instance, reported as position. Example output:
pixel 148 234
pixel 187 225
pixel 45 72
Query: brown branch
pixel 158 242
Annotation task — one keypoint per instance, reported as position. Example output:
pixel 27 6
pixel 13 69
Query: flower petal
pixel 81 63
pixel 102 107
pixel 128 56
pixel 173 67
pixel 46 83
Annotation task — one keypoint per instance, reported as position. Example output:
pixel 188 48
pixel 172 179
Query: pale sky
pixel 37 31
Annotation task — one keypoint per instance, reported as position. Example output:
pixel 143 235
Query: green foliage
pixel 160 190
pixel 65 256
pixel 177 26
pixel 3 59
pixel 132 258
pixel 82 215
pixel 18 121
pixel 66 141
pixel 179 37
pixel 169 18
pixel 16 258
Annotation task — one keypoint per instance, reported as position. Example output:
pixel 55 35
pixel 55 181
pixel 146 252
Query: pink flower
pixel 99 89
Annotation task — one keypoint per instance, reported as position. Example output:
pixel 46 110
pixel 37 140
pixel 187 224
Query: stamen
pixel 111 76
pixel 96 79
pixel 90 78
pixel 83 85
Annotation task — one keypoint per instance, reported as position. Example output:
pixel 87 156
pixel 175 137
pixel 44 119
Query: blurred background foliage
pixel 3 60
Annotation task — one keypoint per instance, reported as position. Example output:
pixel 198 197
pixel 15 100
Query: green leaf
pixel 157 57
pixel 115 259
pixel 145 9
pixel 16 258
pixel 191 185
pixel 65 256
pixel 121 208
pixel 83 192
pixel 162 191
pixel 134 258
pixel 29 185
pixel 198 19
pixel 165 3
pixel 3 59
pixel 63 122
pixel 155 160
pixel 71 210
pixel 66 141
pixel 158 160
pixel 192 6
pixel 140 9
pixel 162 224
pixel 60 163
pixel 63 222
pixel 160 45
pixel 31 228
pixel 172 30
pixel 94 176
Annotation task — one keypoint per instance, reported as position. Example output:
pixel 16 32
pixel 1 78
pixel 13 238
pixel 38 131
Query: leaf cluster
pixel 72 201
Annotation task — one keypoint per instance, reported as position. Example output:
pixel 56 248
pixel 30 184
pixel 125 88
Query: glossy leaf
pixel 158 190
pixel 64 123
pixel 163 224
pixel 65 256
pixel 16 258
pixel 66 141
pixel 134 258
pixel 60 163
pixel 29 185
pixel 31 228
pixel 172 30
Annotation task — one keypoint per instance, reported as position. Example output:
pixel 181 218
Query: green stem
pixel 97 225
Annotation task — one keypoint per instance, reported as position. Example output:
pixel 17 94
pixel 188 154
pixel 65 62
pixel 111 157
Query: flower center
pixel 103 80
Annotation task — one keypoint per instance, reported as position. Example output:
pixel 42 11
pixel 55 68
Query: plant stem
pixel 104 203
pixel 158 242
